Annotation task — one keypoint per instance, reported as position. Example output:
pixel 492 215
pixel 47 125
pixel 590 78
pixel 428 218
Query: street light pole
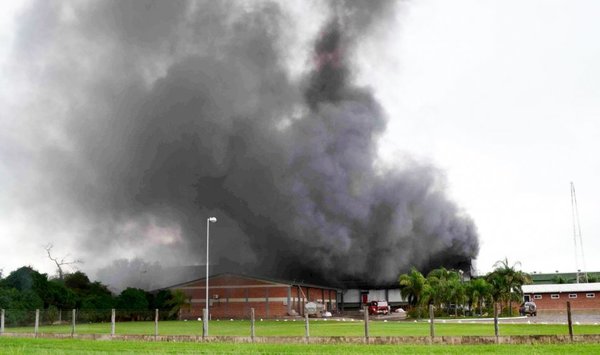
pixel 206 314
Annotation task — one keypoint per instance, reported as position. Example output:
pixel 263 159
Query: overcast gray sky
pixel 502 96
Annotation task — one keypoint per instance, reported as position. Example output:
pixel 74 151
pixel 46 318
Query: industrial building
pixel 233 295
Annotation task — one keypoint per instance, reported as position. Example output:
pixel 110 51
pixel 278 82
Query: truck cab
pixel 379 307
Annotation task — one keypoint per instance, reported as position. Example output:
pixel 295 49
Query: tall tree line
pixel 25 290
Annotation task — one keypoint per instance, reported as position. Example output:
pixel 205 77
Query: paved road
pixel 541 318
pixel 561 318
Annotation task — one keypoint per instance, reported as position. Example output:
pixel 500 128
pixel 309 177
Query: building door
pixel 526 298
pixel 364 297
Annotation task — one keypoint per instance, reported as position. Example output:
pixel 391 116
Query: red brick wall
pixel 579 303
pixel 232 297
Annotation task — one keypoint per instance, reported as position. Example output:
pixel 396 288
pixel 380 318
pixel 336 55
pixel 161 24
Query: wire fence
pixel 162 322
pixel 15 318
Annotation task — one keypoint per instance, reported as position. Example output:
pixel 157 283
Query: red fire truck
pixel 379 307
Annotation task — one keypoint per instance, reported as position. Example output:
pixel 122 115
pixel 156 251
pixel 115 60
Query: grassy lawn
pixel 74 346
pixel 317 328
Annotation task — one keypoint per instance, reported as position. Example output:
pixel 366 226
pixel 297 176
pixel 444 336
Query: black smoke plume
pixel 151 116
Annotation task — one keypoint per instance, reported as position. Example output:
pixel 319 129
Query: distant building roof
pixel 262 278
pixel 558 288
pixel 552 278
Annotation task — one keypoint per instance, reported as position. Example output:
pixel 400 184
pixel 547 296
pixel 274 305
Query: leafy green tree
pixel 26 279
pixel 20 305
pixel 160 300
pixel 132 302
pixel 89 295
pixel 77 281
pixel 60 296
pixel 132 298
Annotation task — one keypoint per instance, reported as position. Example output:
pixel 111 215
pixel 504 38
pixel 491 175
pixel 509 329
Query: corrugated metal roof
pixel 558 288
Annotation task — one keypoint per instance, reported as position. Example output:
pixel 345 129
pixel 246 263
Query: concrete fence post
pixel 73 315
pixel 569 320
pixel 2 321
pixel 37 322
pixel 112 322
pixel 155 324
pixel 306 327
pixel 366 311
pixel 431 322
pixel 252 334
pixel 496 330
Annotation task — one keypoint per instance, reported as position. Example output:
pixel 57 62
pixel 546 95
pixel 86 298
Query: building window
pixel 572 295
pixel 526 298
pixel 590 295
pixel 555 296
pixel 537 297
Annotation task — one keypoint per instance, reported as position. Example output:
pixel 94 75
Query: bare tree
pixel 60 262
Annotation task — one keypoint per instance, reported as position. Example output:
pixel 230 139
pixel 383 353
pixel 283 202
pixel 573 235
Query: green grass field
pixel 74 346
pixel 317 328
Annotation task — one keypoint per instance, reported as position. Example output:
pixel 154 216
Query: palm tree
pixel 456 293
pixel 478 290
pixel 446 287
pixel 412 286
pixel 507 282
pixel 178 302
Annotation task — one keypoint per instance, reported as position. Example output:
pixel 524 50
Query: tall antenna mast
pixel 577 236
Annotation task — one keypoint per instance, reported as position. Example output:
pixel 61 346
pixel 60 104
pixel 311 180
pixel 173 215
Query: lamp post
pixel 205 316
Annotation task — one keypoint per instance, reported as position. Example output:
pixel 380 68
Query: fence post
pixel 496 330
pixel 366 308
pixel 112 322
pixel 204 323
pixel 252 324
pixel 2 321
pixel 569 320
pixel 37 322
pixel 306 329
pixel 431 322
pixel 73 314
pixel 155 324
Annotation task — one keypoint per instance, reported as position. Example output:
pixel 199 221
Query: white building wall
pixel 376 295
pixel 394 296
pixel 352 296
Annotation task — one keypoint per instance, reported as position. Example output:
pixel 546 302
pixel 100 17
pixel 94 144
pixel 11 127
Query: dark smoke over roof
pixel 151 116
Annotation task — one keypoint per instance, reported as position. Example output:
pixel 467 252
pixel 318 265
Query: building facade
pixel 233 295
pixel 554 297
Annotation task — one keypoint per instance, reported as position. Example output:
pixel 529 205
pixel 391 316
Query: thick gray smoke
pixel 151 116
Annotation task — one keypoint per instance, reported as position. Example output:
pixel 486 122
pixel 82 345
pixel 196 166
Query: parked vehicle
pixel 528 309
pixel 314 309
pixel 379 307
